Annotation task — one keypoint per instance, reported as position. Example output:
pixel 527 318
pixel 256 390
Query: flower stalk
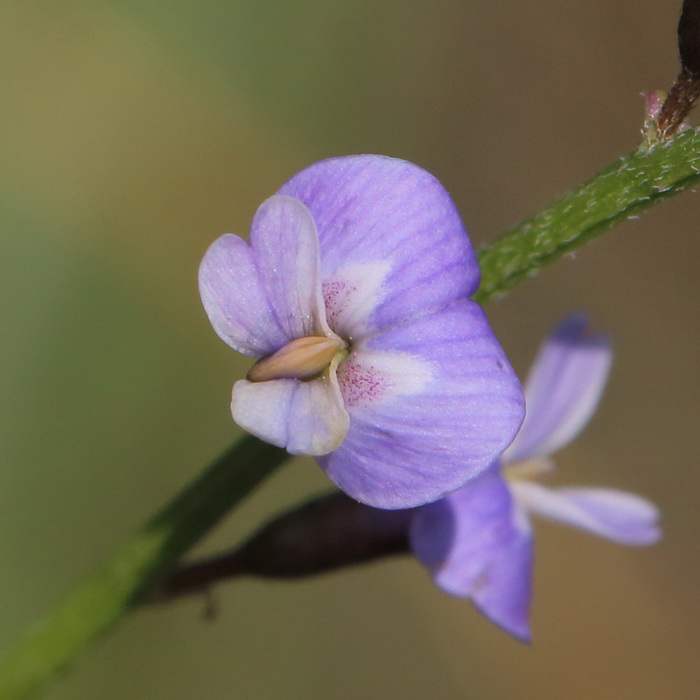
pixel 646 177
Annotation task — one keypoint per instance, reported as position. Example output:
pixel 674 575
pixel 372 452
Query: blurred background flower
pixel 134 133
pixel 478 543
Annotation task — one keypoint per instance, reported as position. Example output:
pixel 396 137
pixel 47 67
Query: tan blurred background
pixel 134 133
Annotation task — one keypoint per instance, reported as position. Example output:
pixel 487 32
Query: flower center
pixel 534 469
pixel 302 358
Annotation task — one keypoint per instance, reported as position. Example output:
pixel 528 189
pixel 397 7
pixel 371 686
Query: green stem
pixel 642 179
pixel 135 566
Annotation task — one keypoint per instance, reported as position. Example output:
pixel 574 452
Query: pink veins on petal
pixel 335 297
pixel 362 386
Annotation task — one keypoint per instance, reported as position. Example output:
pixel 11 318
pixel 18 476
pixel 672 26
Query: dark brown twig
pixel 686 89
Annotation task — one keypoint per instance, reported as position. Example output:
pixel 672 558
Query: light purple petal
pixel 260 296
pixel 615 515
pixel 306 418
pixel 478 546
pixel 432 403
pixel 388 226
pixel 563 389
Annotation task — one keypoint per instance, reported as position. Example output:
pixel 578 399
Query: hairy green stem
pixel 135 567
pixel 644 178
pixel 629 186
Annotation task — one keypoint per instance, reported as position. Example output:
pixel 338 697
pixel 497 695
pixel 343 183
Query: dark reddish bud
pixel 325 534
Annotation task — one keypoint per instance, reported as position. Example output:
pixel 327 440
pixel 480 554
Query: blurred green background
pixel 134 133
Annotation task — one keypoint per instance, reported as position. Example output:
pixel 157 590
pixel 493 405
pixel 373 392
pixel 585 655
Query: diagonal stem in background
pixel 132 569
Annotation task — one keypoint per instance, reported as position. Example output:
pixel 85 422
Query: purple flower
pixel 353 293
pixel 477 542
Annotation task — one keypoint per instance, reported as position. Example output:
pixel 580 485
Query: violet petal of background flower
pixel 563 389
pixel 615 515
pixel 387 220
pixel 412 439
pixel 260 296
pixel 478 545
pixel 306 418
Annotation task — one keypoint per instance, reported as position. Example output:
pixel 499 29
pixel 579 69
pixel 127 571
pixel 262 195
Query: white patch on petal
pixel 304 417
pixel 258 408
pixel 368 378
pixel 352 294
